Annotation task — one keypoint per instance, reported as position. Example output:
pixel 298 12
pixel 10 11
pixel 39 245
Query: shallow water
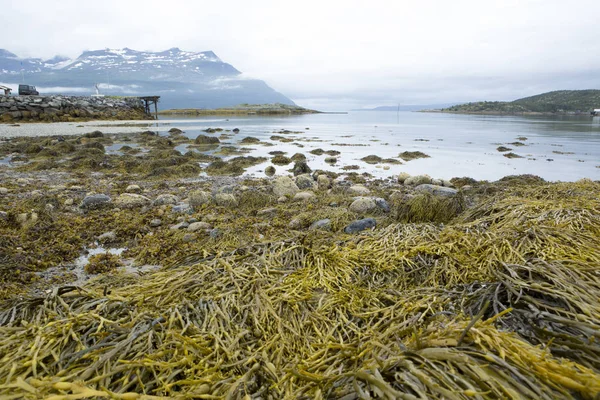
pixel 459 145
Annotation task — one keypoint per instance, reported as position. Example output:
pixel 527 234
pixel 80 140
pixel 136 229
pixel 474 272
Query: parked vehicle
pixel 28 90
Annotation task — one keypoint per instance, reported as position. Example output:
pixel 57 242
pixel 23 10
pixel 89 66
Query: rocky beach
pixel 131 270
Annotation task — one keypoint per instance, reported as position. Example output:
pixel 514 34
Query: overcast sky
pixel 341 54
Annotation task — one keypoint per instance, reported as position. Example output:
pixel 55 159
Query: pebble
pixel 133 189
pixel 3 190
pixel 189 237
pixel 215 233
pixel 69 202
pixel 182 208
pixel 436 190
pixel 165 199
pixel 363 205
pixel 94 201
pixel 304 196
pixel 155 223
pixel 181 225
pixel 196 226
pixel 359 190
pixel 322 224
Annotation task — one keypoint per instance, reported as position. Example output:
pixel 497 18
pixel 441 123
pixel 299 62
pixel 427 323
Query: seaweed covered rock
pixel 301 167
pixel 102 263
pixel 323 182
pixel 198 198
pixel 285 186
pixel 203 139
pixel 270 170
pixel 165 199
pixel 359 190
pixel 322 224
pixel 403 176
pixel 133 189
pixel 304 196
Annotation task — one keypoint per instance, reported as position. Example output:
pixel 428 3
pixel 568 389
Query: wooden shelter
pixel 148 101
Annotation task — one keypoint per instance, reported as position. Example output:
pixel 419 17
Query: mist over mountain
pixel 183 79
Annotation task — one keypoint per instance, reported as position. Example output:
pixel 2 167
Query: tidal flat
pixel 132 270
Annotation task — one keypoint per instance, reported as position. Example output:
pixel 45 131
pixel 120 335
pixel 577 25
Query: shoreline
pixel 500 113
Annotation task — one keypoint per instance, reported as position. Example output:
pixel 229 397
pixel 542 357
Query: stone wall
pixel 69 108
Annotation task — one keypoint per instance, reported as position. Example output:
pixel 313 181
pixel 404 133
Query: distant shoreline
pixel 527 113
pixel 267 109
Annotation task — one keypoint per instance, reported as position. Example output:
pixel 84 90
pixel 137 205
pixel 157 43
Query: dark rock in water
pixel 361 225
pixel 270 170
pixel 214 233
pixel 148 133
pixel 301 167
pixel 94 201
pixel 175 131
pixel 236 130
pixel 323 224
pixel 94 134
pixel 436 190
pixel 183 208
pixel 382 204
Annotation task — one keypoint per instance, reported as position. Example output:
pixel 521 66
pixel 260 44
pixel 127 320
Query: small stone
pixel 436 190
pixel 49 207
pixel 181 225
pixel 304 196
pixel 361 225
pixel 282 200
pixel 182 208
pixel 189 237
pixel 68 202
pixel 382 204
pixel 155 223
pixel 215 233
pixel 3 190
pixel 359 190
pixel 270 170
pixel 295 224
pixel 165 199
pixel 322 224
pixel 197 226
pixel 267 212
pixel 301 167
pixel 133 189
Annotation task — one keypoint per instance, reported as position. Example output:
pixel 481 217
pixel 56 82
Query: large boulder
pixel 132 200
pixel 403 176
pixel 301 167
pixel 203 139
pixel 323 182
pixel 436 190
pixel 284 186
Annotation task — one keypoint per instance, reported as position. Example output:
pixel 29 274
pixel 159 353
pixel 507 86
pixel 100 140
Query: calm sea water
pixel 556 148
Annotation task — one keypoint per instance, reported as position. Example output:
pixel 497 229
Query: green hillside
pixel 552 102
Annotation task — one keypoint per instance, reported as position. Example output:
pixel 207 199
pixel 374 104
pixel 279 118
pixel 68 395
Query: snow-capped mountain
pixel 183 79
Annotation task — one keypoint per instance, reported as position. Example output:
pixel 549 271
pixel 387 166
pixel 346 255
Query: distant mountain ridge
pixel 183 79
pixel 560 101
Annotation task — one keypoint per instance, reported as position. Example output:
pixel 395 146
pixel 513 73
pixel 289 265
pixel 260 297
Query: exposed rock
pixel 363 205
pixel 215 233
pixel 331 160
pixel 175 131
pixel 284 186
pixel 282 200
pixel 197 226
pixel 131 200
pixel 304 196
pixel 436 190
pixel 165 199
pixel 382 204
pixel 447 183
pixel 322 224
pixel 403 176
pixel 69 202
pixel 183 208
pixel 417 180
pixel 226 200
pixel 3 190
pixel 295 224
pixel 189 237
pixel 323 182
pixel 108 237
pixel 133 189
pixel 198 198
pixel 361 225
pixel 359 190
pixel 305 181
pixel 95 201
